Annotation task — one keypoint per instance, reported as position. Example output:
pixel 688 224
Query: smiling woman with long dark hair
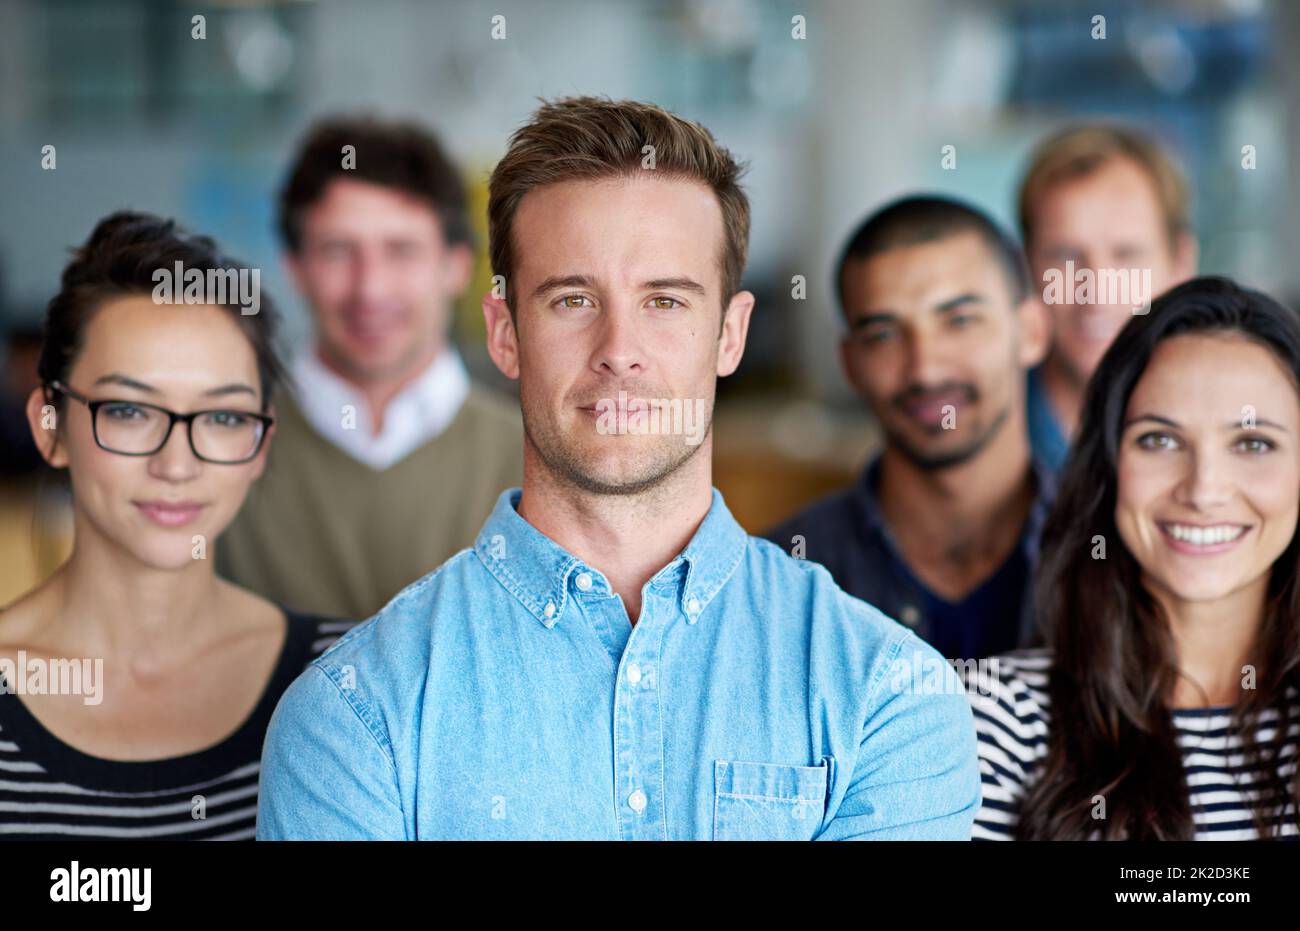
pixel 1166 703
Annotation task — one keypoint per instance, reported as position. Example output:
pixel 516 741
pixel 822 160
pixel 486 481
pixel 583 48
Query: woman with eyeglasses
pixel 1167 704
pixel 137 685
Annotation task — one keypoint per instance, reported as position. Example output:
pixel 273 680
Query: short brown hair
pixel 578 138
pixel 394 154
pixel 1080 150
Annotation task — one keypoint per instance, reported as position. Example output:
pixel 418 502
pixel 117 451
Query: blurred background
pixel 144 116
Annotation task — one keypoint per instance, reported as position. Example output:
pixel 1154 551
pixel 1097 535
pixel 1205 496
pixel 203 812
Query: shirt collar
pixel 542 575
pixel 1044 497
pixel 1044 494
pixel 1045 433
pixel 417 414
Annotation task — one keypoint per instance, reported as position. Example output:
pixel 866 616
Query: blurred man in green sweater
pixel 386 459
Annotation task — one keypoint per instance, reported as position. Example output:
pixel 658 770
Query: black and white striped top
pixel 1011 721
pixel 49 790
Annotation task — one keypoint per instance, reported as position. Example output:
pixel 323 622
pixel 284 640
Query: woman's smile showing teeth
pixel 1201 538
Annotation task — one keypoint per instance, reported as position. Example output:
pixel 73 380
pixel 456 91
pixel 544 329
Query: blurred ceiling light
pixel 973 63
pixel 1216 9
pixel 261 50
pixel 1165 58
pixel 725 25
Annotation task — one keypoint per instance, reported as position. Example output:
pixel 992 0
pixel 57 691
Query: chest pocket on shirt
pixel 768 801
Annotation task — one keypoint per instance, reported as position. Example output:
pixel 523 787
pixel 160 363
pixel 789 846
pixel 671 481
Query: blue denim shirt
pixel 507 696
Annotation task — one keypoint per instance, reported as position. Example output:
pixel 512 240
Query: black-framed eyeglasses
pixel 133 428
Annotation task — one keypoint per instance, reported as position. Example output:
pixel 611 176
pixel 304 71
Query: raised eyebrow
pixel 1257 422
pixel 867 319
pixel 1231 425
pixel 115 379
pixel 889 317
pixel 124 381
pixel 563 281
pixel 678 284
pixel 1154 417
pixel 970 297
pixel 233 388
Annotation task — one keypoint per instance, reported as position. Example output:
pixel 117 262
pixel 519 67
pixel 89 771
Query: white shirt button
pixel 692 605
pixel 549 610
pixel 584 581
pixel 634 673
pixel 636 801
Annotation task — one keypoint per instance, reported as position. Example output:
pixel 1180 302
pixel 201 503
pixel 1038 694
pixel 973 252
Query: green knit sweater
pixel 326 534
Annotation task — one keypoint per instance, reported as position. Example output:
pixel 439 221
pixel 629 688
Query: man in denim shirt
pixel 616 658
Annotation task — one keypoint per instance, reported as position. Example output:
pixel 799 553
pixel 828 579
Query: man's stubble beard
pixel 566 465
pixel 932 463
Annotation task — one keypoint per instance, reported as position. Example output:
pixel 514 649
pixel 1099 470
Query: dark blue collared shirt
pixel 1046 438
pixel 847 534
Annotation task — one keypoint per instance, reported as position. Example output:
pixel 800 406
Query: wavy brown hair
pixel 1114 664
